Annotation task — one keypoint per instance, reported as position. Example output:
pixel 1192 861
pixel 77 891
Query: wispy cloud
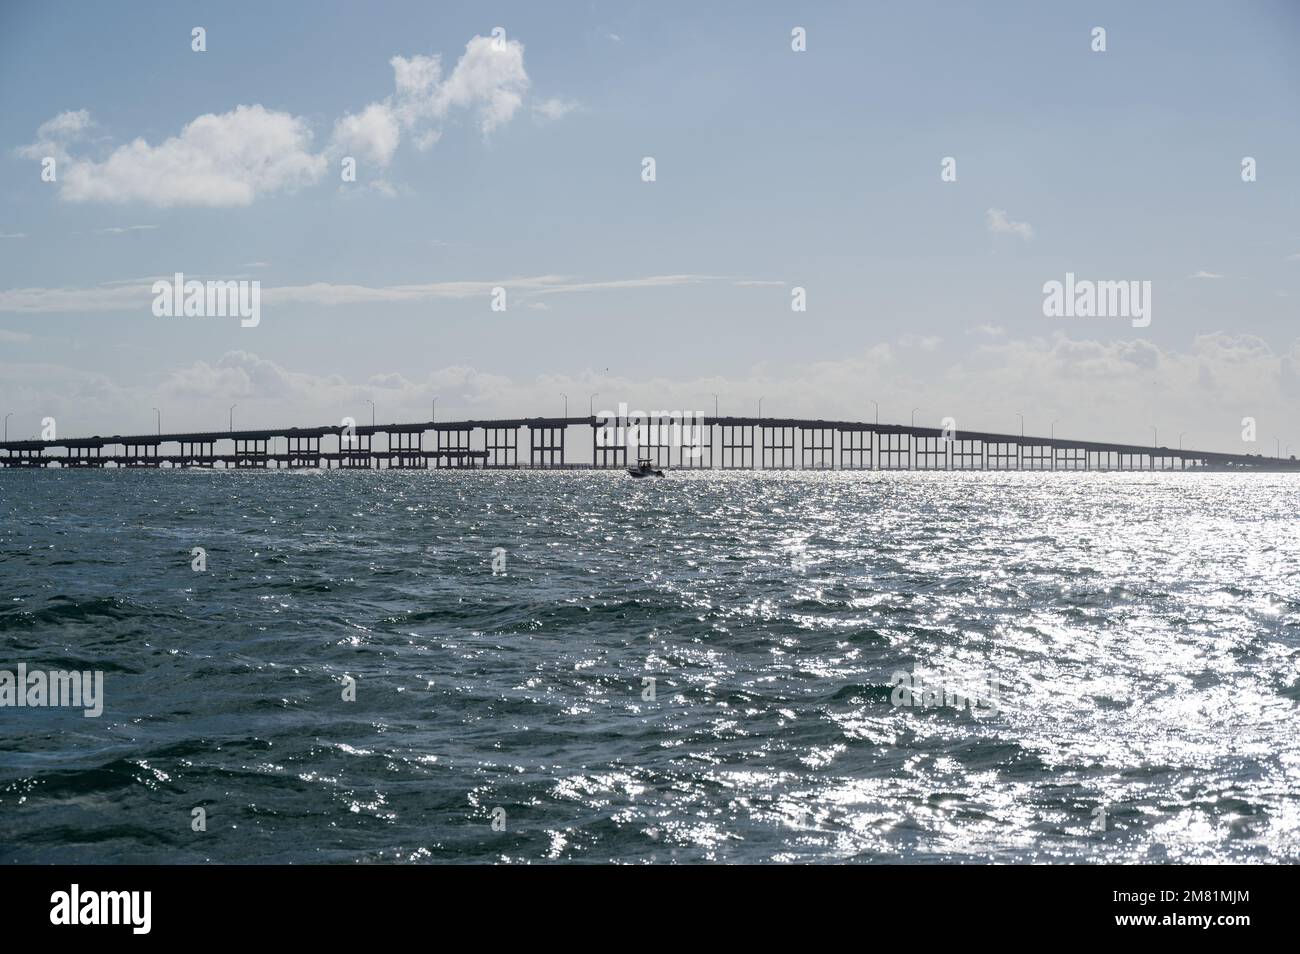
pixel 1202 273
pixel 564 287
pixel 132 294
pixel 554 108
pixel 55 136
pixel 924 342
pixel 999 223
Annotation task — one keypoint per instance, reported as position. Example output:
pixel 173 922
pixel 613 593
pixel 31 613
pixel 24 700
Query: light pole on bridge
pixel 159 413
pixel 591 406
pixel 1053 432
pixel 566 406
pixel 877 407
pixel 914 410
pixel 1180 439
pixel 372 411
pixel 760 408
pixel 1155 437
pixel 232 417
pixel 1022 423
pixel 7 416
pixel 715 407
pixel 433 411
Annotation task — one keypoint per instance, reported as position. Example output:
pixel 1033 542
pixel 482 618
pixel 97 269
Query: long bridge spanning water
pixel 727 443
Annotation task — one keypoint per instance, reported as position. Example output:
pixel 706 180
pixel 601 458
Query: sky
pixel 503 146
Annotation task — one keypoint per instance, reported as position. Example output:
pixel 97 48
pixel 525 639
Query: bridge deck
pixel 735 441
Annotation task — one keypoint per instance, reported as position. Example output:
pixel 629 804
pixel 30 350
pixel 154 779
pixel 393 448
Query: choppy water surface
pixel 1142 628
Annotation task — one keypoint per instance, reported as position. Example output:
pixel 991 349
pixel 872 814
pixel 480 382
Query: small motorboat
pixel 643 468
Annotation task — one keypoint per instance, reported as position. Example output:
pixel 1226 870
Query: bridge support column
pixel 654 440
pixel 251 452
pixel 83 456
pixel 737 446
pixel 930 453
pixel 354 451
pixel 502 446
pixel 197 454
pixel 454 447
pixel 405 450
pixel 855 449
pixel 302 451
pixel 609 442
pixel 778 447
pixel 140 455
pixel 894 451
pixel 27 457
pixel 546 446
pixel 695 449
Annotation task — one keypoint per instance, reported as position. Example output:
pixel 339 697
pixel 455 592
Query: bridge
pixel 690 443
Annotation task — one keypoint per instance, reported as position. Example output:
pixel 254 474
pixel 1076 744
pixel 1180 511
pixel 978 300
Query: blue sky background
pixel 817 169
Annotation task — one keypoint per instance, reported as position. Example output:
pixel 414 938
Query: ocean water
pixel 1123 649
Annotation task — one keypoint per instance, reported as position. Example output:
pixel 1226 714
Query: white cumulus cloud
pixel 233 158
pixel 489 81
pixel 55 135
pixel 216 160
pixel 371 135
